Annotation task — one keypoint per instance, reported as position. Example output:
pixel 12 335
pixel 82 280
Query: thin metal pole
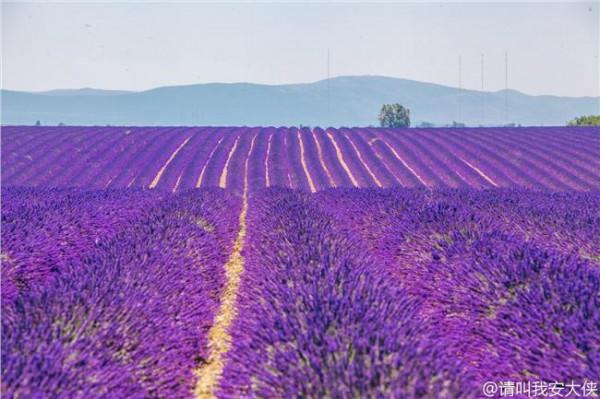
pixel 506 87
pixel 459 119
pixel 328 88
pixel 482 94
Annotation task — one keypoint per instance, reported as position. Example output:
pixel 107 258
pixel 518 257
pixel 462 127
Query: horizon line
pixel 125 91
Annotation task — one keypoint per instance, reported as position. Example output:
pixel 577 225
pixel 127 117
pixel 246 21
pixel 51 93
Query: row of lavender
pixel 511 279
pixel 561 158
pixel 319 318
pixel 110 294
pixel 404 293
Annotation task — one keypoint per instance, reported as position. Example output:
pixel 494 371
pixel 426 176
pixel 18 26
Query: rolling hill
pixel 341 101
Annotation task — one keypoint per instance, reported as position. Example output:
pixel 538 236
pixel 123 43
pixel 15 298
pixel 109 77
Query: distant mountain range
pixel 341 101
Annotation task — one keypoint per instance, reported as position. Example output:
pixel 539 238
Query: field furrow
pixel 316 318
pixel 555 159
pixel 205 161
pixel 219 336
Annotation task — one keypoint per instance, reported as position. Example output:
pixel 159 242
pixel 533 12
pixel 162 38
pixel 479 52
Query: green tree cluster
pixel 394 115
pixel 586 120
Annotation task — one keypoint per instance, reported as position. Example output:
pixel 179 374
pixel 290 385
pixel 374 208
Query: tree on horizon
pixel 586 120
pixel 394 115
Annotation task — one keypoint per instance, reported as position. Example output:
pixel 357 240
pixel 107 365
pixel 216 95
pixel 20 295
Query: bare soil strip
pixel 476 169
pixel 375 179
pixel 303 160
pixel 340 158
pixel 223 179
pixel 371 142
pixel 219 338
pixel 267 177
pixel 405 164
pixel 199 182
pixel 320 152
pixel 162 169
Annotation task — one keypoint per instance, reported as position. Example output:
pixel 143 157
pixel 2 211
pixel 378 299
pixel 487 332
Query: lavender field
pixel 299 263
pixel 174 159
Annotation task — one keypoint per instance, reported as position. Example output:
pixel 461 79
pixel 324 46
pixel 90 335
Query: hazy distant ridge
pixel 353 101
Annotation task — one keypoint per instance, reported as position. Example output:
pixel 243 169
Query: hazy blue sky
pixel 553 47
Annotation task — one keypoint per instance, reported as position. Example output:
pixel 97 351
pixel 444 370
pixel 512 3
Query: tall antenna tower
pixel 506 87
pixel 459 119
pixel 328 88
pixel 482 94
